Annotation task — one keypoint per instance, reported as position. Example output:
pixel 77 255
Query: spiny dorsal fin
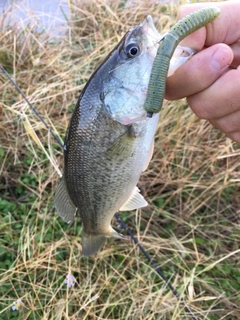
pixel 135 201
pixel 63 203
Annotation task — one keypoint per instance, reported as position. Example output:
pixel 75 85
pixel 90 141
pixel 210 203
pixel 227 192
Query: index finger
pixel 225 29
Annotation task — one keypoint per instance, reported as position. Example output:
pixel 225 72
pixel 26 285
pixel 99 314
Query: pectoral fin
pixel 63 203
pixel 122 147
pixel 135 201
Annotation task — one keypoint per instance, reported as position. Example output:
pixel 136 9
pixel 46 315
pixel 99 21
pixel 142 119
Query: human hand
pixel 211 79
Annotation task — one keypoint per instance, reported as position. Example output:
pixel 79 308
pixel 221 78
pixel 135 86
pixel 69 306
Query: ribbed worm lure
pixel 167 46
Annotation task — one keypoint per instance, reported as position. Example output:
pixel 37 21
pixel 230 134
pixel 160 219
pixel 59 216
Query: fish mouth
pixel 153 37
pixel 149 27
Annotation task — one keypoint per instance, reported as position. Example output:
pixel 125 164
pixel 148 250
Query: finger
pixel 229 123
pixel 220 99
pixel 235 136
pixel 200 72
pixel 225 29
pixel 236 52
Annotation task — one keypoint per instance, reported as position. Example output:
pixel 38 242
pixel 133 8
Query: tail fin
pixel 91 244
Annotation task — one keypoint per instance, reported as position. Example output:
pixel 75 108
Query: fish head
pixel 125 88
pixel 141 39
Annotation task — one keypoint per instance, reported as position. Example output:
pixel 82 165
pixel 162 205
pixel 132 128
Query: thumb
pixel 199 72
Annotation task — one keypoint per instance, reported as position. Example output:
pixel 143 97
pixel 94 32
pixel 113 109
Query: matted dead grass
pixel 191 227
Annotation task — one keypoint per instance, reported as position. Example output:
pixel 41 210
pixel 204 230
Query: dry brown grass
pixel 191 228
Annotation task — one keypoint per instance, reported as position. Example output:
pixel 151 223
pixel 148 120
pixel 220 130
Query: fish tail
pixel 91 244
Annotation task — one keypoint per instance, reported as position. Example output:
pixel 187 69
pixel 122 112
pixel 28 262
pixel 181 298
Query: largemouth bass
pixel 109 141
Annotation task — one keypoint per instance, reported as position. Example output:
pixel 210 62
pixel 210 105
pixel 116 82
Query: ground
pixel 191 228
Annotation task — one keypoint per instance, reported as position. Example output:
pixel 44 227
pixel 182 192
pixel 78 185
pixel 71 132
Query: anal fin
pixel 63 203
pixel 135 201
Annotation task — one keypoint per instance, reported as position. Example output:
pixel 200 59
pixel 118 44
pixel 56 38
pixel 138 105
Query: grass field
pixel 191 227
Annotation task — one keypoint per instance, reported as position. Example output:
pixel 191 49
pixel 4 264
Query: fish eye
pixel 132 50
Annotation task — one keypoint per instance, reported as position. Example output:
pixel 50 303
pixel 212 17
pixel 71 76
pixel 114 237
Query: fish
pixel 110 140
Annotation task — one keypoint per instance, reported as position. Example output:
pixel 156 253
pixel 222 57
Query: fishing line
pixel 144 252
pixel 32 107
pixel 155 267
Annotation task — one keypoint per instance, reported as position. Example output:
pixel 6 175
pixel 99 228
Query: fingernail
pixel 221 59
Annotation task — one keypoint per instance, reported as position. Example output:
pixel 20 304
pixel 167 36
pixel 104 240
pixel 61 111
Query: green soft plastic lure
pixel 167 46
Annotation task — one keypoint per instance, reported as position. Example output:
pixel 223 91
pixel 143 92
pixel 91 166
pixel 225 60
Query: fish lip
pixel 149 27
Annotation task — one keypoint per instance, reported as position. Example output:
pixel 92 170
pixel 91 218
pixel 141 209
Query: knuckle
pixel 199 107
